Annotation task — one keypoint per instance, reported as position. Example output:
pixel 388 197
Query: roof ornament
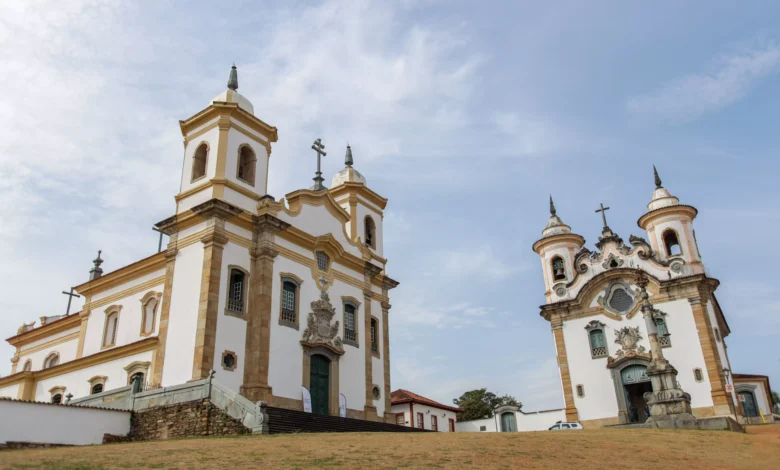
pixel 348 157
pixel 96 271
pixel 233 80
pixel 318 147
pixel 552 206
pixel 657 178
pixel 603 215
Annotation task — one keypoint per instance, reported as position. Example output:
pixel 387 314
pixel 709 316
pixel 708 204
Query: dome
pixel 661 196
pixel 231 95
pixel 555 225
pixel 348 174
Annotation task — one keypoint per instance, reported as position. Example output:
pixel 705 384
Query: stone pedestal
pixel 670 407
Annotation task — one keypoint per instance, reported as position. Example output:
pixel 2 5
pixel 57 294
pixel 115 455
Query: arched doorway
pixel 319 384
pixel 636 383
pixel 749 404
pixel 508 422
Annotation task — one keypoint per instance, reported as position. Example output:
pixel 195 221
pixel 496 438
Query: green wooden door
pixel 319 384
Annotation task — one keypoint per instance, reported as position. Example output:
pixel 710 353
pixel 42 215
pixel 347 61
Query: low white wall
pixel 476 425
pixel 59 424
pixel 533 421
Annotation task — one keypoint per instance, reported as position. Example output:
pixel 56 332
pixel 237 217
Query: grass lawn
pixel 598 448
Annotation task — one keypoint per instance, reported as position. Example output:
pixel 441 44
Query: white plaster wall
pixel 684 232
pixel 474 425
pixel 235 140
pixel 233 228
pixel 186 232
pixel 193 200
pixel 128 285
pixel 231 331
pixel 362 212
pixel 401 408
pixel 77 382
pixel 129 326
pixel 66 350
pixel 240 200
pixel 212 139
pixel 600 400
pixel 538 421
pixel 316 220
pixel 48 338
pixel 183 315
pixel 10 391
pixel 50 424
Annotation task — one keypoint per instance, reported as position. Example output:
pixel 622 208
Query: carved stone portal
pixel 319 330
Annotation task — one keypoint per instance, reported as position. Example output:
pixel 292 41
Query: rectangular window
pixel 288 301
pixel 452 425
pixel 374 346
pixel 349 323
pixel 434 423
pixel 236 292
pixel 420 420
pixel 400 419
pixel 322 261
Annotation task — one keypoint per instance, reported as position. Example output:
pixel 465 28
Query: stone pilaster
pixel 158 358
pixel 84 316
pixel 721 400
pixel 369 409
pixel 258 324
pixel 563 366
pixel 386 351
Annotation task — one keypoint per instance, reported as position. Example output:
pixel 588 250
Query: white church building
pixel 592 304
pixel 273 295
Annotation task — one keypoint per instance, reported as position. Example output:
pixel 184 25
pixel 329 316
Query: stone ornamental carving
pixel 319 330
pixel 628 338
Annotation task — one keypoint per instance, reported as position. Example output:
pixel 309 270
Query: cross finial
pixel 657 178
pixel 552 206
pixel 348 157
pixel 318 147
pixel 603 215
pixel 233 80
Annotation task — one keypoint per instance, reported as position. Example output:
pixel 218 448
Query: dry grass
pixel 634 448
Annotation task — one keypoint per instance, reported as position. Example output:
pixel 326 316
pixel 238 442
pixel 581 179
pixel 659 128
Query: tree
pixel 479 404
pixel 776 399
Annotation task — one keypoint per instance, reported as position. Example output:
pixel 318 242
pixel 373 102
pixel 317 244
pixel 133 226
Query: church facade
pixel 593 302
pixel 273 295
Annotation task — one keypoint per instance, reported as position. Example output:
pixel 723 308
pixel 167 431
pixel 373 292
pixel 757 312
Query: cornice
pixel 229 110
pixel 645 219
pixel 297 199
pixel 144 345
pixel 122 275
pixel 58 326
pixel 351 188
pixel 560 238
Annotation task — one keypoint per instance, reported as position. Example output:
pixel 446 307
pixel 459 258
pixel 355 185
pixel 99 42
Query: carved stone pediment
pixel 612 261
pixel 628 338
pixel 319 330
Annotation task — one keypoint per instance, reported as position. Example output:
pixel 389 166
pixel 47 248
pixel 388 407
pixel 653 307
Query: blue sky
pixel 466 115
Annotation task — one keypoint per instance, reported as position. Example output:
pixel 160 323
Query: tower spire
pixel 96 271
pixel 657 178
pixel 348 157
pixel 552 206
pixel 233 80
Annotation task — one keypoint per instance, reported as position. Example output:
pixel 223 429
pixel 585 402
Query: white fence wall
pixel 59 424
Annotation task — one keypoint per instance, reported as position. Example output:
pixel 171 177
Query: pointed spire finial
pixel 348 157
pixel 96 271
pixel 233 80
pixel 657 178
pixel 552 206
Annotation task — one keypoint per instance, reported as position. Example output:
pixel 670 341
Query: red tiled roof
pixel 405 396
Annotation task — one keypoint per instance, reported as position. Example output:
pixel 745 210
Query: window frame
pixel 49 357
pixel 27 367
pixel 136 367
pixel 112 311
pixel 57 390
pixel 434 422
pixel 152 295
pixel 663 341
pixel 667 248
pixel 297 282
pixel 366 220
pixel 193 178
pixel 244 295
pixel 235 360
pixel 580 389
pixel 552 268
pixel 97 380
pixel 420 420
pixel 239 165
pixel 374 336
pixel 698 371
pixel 403 419
pixel 354 303
pixel 592 327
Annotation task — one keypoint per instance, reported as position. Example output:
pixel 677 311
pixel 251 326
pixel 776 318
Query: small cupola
pixel 348 174
pixel 231 95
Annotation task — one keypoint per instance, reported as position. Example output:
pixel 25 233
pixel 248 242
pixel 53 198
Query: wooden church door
pixel 319 383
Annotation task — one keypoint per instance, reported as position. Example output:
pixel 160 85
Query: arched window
pixel 97 384
pixel 350 332
pixel 27 366
pixel 137 381
pixel 56 398
pixel 672 243
pixel 374 332
pixel 236 291
pixel 149 305
pixel 370 231
pixel 581 391
pixel 199 162
pixel 51 360
pixel 698 375
pixel 717 335
pixel 57 393
pixel 559 271
pixel 97 388
pixel 246 165
pixel 111 326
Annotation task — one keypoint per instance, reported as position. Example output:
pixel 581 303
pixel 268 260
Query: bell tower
pixel 226 152
pixel 557 249
pixel 669 227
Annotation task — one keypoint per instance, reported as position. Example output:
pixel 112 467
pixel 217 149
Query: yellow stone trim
pixel 123 275
pixel 49 344
pixel 297 199
pixel 255 138
pixel 359 189
pixel 198 133
pixel 231 110
pixel 114 309
pixel 157 281
pixel 145 300
pixel 349 298
pixel 67 323
pixel 102 357
pixel 222 144
pixel 238 188
pixel 237 239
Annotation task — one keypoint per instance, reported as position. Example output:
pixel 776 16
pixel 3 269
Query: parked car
pixel 565 426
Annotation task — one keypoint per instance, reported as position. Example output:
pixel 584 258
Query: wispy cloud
pixel 691 96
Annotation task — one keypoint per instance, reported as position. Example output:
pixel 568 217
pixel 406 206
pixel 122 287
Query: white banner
pixel 342 405
pixel 306 399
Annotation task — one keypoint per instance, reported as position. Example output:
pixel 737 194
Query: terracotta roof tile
pixel 405 396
